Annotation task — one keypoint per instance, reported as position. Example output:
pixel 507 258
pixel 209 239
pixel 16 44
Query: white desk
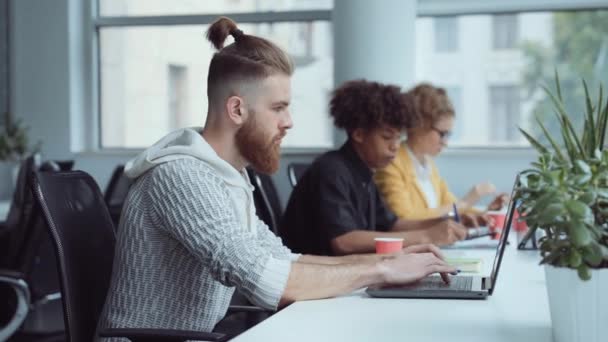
pixel 517 311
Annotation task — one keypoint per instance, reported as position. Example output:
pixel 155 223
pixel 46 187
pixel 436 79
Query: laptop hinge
pixel 486 283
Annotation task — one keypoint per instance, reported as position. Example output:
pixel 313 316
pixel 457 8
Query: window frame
pixel 425 8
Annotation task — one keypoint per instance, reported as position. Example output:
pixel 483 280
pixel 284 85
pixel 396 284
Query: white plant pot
pixel 579 309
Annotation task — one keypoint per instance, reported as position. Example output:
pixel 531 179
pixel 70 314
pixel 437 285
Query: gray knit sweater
pixel 183 246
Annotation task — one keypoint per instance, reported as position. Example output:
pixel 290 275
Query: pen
pixel 456 217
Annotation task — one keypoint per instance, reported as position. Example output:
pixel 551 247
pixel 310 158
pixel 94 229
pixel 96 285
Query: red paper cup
pixel 498 224
pixel 519 225
pixel 388 245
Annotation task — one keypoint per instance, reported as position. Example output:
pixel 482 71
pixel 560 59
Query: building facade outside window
pixel 144 92
pixel 505 30
pixel 153 78
pixel 446 34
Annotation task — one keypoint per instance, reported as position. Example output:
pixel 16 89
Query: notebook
pixel 466 265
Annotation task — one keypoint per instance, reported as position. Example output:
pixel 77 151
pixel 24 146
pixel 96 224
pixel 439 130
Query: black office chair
pixel 84 240
pixel 116 193
pixel 266 199
pixel 295 172
pixel 24 250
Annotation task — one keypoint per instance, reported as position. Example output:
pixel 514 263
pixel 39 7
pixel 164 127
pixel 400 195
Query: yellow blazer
pixel 402 192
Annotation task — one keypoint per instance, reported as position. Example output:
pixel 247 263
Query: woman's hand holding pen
pixel 499 202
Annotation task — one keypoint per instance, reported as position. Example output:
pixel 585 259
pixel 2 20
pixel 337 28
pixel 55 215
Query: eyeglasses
pixel 442 134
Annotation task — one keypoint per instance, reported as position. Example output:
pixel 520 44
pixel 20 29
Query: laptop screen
pixel 500 249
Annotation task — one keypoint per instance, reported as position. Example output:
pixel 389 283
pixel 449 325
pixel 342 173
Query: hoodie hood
pixel 181 144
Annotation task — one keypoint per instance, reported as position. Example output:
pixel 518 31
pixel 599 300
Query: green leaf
pixel 592 254
pixel 582 166
pixel 568 132
pixel 550 213
pixel 556 148
pixel 574 258
pixel 559 89
pixel 588 197
pixel 537 145
pixel 583 272
pixel 604 250
pixel 578 209
pixel 603 125
pixel 551 257
pixel 581 179
pixel 598 128
pixel 589 131
pixel 579 234
pixel 597 154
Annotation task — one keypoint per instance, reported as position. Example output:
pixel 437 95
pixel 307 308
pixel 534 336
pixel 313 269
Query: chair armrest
pixel 248 308
pixel 165 335
pixel 10 274
pixel 15 281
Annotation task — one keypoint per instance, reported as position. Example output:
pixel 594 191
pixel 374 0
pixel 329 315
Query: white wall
pixel 45 75
pixel 45 91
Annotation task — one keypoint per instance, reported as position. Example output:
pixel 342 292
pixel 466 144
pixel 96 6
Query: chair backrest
pixel 295 172
pixel 266 198
pixel 83 236
pixel 116 192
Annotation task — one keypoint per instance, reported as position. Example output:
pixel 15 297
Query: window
pixel 501 89
pixel 455 95
pixel 153 77
pixel 4 76
pixel 505 30
pixel 178 96
pixel 505 109
pixel 446 34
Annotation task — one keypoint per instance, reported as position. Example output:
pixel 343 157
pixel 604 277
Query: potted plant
pixel 565 195
pixel 14 143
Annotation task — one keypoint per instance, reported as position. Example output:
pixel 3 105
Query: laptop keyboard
pixel 436 283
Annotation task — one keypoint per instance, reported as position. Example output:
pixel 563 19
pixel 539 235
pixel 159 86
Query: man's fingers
pixel 445 277
pixel 442 269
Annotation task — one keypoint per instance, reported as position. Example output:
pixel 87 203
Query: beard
pixel 261 150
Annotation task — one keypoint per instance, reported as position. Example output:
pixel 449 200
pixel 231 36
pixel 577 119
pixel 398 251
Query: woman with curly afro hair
pixel 411 184
pixel 335 208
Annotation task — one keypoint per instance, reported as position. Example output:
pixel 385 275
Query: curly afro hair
pixel 368 105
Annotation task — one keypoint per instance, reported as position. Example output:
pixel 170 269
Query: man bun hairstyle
pixel 366 104
pixel 247 58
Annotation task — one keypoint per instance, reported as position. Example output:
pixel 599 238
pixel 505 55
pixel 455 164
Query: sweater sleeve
pixel 192 204
pixel 273 243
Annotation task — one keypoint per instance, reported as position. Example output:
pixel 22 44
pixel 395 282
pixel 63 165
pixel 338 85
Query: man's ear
pixel 358 135
pixel 236 110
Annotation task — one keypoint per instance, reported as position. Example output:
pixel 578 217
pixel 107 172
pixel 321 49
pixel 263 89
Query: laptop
pixel 460 287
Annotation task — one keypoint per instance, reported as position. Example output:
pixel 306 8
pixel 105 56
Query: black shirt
pixel 335 196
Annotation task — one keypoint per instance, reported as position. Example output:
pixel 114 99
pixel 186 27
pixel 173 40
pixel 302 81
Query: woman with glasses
pixel 411 185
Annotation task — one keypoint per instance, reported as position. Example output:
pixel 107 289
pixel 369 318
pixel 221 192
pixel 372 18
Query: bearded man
pixel 189 235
